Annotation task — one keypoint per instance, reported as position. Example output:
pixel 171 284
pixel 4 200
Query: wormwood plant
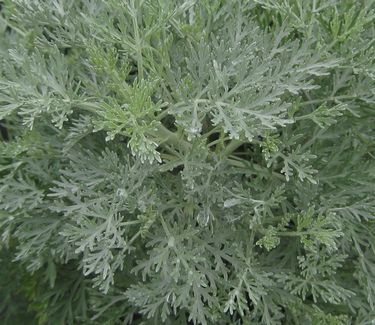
pixel 188 162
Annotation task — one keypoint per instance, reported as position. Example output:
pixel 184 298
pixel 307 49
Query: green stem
pixel 294 233
pixel 319 101
pixel 172 138
pixel 16 29
pixel 240 164
pixel 87 106
pixel 132 240
pixel 216 129
pixel 217 141
pixel 130 223
pixel 163 114
pixel 232 146
pixel 138 44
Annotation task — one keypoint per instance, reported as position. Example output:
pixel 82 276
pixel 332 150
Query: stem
pixel 163 114
pixel 16 29
pixel 131 241
pixel 137 39
pixel 318 101
pixel 233 145
pixel 294 233
pixel 114 301
pixel 87 106
pixel 130 223
pixel 172 138
pixel 169 157
pixel 216 129
pixel 240 164
pixel 217 141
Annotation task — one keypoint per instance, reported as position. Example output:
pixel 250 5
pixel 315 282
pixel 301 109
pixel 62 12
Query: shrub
pixel 201 162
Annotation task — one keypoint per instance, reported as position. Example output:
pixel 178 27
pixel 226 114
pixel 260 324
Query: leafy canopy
pixel 201 162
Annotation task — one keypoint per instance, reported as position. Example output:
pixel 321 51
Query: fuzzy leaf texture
pixel 187 162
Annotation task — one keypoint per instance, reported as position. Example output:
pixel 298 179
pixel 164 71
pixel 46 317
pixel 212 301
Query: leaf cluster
pixel 188 162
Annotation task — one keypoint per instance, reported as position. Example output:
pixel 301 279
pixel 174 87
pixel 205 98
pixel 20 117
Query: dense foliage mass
pixel 187 162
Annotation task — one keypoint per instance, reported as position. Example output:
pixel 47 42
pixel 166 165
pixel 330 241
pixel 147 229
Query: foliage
pixel 188 162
